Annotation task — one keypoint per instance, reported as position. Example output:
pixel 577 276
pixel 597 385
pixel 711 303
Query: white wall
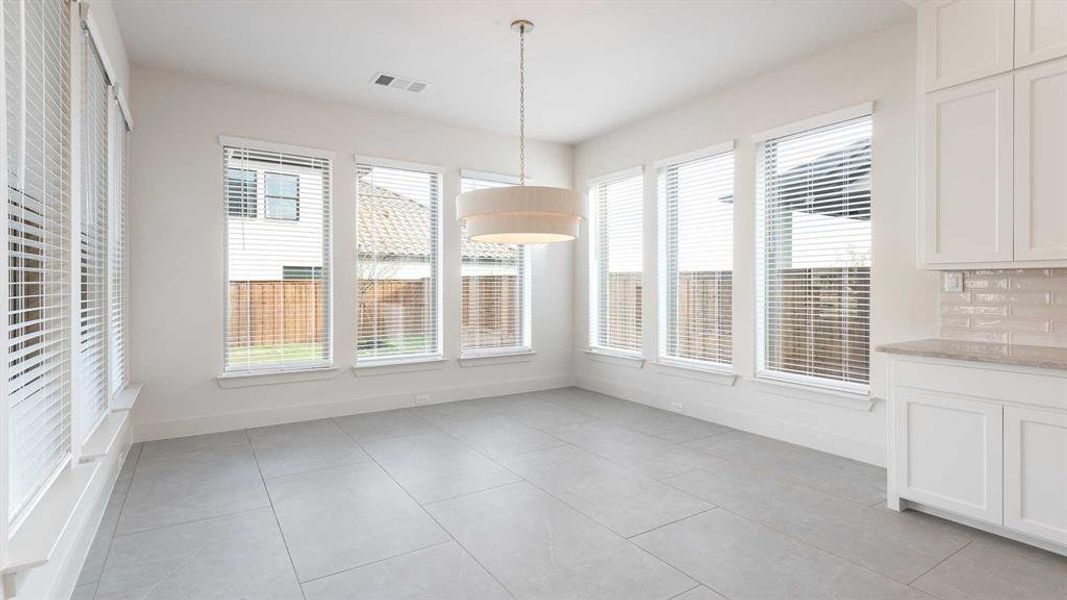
pixel 878 67
pixel 176 249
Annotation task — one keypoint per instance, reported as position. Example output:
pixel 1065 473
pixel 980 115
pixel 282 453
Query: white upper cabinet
pixel 964 40
pixel 1040 31
pixel 967 173
pixel 994 133
pixel 1041 162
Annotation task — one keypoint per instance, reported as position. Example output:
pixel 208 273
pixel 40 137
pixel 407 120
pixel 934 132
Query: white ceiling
pixel 591 65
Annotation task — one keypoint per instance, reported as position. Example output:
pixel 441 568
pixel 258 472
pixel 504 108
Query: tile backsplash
pixel 1026 306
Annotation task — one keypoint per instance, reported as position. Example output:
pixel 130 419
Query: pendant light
pixel 521 214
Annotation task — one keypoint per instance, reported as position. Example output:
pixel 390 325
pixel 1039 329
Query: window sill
pixel 106 436
pixel 37 537
pixel 501 358
pixel 832 396
pixel 124 400
pixel 616 358
pixel 685 370
pixel 372 367
pixel 237 380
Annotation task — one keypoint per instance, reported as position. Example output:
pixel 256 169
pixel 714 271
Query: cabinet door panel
pixel 948 453
pixel 964 40
pixel 1035 472
pixel 967 173
pixel 1040 31
pixel 1041 162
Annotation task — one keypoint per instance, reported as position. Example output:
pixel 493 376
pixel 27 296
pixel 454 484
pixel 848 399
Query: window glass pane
pixel 814 214
pixel 495 291
pixel 617 265
pixel 697 274
pixel 241 191
pixel 275 320
pixel 397 263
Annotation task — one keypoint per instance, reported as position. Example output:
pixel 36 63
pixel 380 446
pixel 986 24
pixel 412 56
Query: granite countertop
pixel 1046 357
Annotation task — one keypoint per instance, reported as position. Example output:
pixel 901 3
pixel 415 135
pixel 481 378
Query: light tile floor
pixel 558 495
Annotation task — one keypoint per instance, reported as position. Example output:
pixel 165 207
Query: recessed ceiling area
pixel 591 66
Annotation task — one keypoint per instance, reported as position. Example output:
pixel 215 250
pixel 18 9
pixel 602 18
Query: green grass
pixel 276 353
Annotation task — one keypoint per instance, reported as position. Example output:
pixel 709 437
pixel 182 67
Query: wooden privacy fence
pixel 267 313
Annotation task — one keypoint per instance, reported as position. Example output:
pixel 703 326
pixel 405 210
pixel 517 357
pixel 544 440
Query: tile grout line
pixel 277 523
pixel 421 506
pixel 111 537
pixel 676 596
pixel 377 560
pixel 824 551
pixel 940 562
pixel 191 521
pixel 678 520
pixel 625 540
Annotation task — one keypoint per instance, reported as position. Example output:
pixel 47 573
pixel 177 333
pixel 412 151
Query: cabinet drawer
pixel 988 382
pixel 948 453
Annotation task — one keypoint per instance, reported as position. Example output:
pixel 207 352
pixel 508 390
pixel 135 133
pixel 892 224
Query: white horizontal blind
pixel 117 237
pixel 398 224
pixel 698 255
pixel 92 382
pixel 495 291
pixel 37 84
pixel 278 290
pixel 814 218
pixel 617 251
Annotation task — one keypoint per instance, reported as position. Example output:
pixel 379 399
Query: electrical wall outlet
pixel 953 281
pixel 678 407
pixel 422 399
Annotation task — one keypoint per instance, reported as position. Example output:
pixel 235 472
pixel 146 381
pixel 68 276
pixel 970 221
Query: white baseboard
pixel 794 433
pixel 306 412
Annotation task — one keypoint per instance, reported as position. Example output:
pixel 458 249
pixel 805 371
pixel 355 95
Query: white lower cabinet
pixel 949 452
pixel 985 442
pixel 1035 472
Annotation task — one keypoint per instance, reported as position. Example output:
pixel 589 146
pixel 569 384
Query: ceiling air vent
pixel 398 82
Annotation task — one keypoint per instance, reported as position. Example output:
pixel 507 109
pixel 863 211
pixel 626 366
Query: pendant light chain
pixel 522 105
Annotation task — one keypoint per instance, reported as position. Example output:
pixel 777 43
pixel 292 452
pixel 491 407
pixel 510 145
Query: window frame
pixel 272 372
pixel 437 267
pixel 662 257
pixel 762 372
pixel 526 268
pixel 593 266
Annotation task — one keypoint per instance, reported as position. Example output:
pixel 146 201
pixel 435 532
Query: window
pixel 398 224
pixel 617 254
pixel 38 156
pixel 94 313
pixel 496 291
pixel 275 322
pixel 301 273
pixel 282 197
pixel 697 256
pixel 814 255
pixel 241 191
pixel 117 265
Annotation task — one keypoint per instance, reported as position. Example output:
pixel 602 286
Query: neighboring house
pixel 394 236
pixel 275 221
